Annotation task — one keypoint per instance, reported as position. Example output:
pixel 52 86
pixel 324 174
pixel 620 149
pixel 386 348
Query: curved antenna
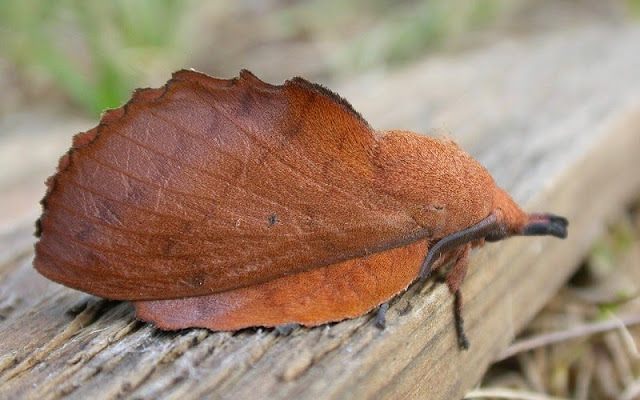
pixel 448 243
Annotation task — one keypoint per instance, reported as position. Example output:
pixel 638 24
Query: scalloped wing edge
pixel 86 139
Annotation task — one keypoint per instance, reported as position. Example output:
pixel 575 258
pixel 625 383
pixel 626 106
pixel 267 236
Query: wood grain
pixel 555 118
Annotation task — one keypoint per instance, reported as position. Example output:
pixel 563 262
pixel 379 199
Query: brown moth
pixel 226 204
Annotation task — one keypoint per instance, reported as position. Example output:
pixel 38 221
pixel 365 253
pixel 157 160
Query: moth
pixel 232 203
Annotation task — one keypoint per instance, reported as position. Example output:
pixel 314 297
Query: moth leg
pixel 381 316
pixel 286 329
pixel 456 275
pixel 463 340
pixel 454 279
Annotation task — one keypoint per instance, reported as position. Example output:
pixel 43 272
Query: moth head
pixel 513 221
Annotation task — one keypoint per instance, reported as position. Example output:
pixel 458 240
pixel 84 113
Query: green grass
pixel 384 32
pixel 634 7
pixel 96 52
pixel 85 47
pixel 428 26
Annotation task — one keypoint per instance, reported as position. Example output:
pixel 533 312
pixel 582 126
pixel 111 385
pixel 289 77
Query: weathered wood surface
pixel 555 118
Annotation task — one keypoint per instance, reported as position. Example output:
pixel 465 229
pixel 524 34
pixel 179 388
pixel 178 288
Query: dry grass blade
pixel 498 393
pixel 578 331
pixel 632 391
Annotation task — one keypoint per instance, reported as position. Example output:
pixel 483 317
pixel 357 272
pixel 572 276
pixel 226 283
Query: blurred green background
pixel 89 55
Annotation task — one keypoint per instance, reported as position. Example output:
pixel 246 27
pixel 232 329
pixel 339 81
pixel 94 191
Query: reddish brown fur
pixel 439 185
pixel 244 193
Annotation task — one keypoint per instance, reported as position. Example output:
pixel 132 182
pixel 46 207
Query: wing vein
pixel 292 168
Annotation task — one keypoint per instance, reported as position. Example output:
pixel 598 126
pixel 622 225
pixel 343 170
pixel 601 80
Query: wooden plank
pixel 555 118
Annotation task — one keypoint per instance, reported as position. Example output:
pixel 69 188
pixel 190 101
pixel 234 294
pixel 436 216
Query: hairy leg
pixel 454 279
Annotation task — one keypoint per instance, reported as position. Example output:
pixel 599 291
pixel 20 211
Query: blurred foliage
pixel 95 51
pixel 634 7
pixel 84 46
pixel 409 33
pixel 385 32
pixel 605 251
